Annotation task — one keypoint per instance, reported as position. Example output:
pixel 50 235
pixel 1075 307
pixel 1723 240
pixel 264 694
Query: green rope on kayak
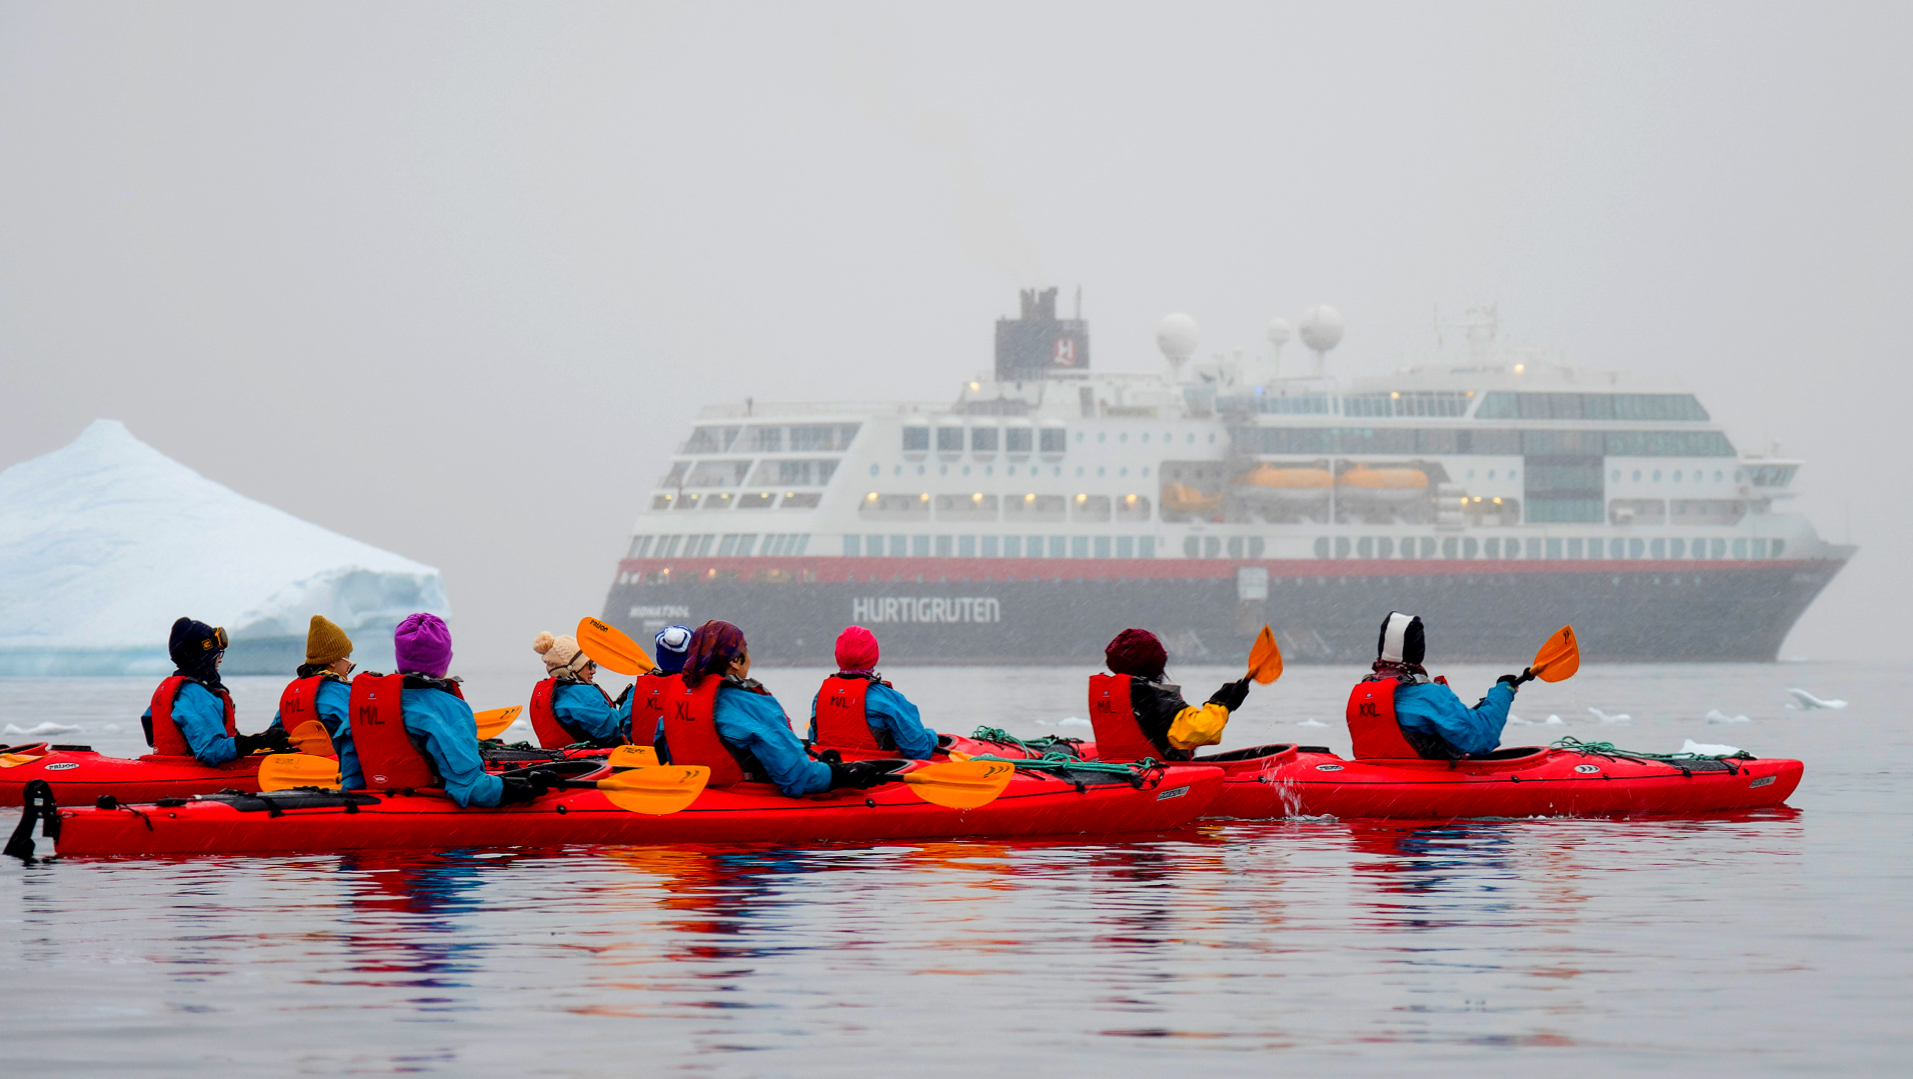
pixel 1046 746
pixel 1608 749
pixel 1058 762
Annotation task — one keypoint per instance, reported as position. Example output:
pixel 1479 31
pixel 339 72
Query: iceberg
pixel 104 542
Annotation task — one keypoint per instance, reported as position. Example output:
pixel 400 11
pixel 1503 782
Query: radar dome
pixel 1279 332
pixel 1321 327
pixel 1178 335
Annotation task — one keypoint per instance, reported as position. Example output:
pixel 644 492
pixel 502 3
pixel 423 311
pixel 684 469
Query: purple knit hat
pixel 713 646
pixel 423 645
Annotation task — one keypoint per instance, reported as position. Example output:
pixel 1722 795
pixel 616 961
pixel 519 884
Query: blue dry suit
pixel 891 713
pixel 330 702
pixel 200 715
pixel 442 726
pixel 1433 708
pixel 756 724
pixel 584 713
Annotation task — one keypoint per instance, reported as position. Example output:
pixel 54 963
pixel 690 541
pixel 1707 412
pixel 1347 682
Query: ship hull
pixel 1038 611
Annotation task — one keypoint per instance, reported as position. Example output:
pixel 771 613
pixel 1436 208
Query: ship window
pixel 916 440
pixel 1056 545
pixel 814 437
pixel 1385 547
pixel 1638 511
pixel 1211 546
pixel 1534 547
pixel 945 547
pixel 1132 508
pixel 1657 475
pixel 687 502
pixel 668 546
pixel 873 546
pixel 853 546
pixel 1657 549
pixel 1017 439
pixel 972 507
pixel 1740 548
pixel 710 439
pixel 762 440
pixel 718 473
pixel 676 476
pixel 1469 547
pixel 1576 548
pixel 1636 548
pixel 966 546
pixel 756 500
pixel 983 439
pixel 1591 406
pixel 1012 546
pixel 1079 546
pixel 1054 440
pixel 661 502
pixel 801 500
pixel 1341 546
pixel 1102 546
pixel 1033 507
pixel 949 440
pixel 1321 546
pixel 1364 547
pixel 899 546
pixel 876 504
pixel 1125 546
pixel 875 469
pixel 1677 548
pixel 1554 547
pixel 1192 546
pixel 920 546
pixel 719 501
pixel 1089 508
pixel 698 546
pixel 1492 548
pixel 1145 546
pixel 639 546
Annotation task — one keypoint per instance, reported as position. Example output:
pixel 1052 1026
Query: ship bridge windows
pixel 1087 508
pixel 1771 475
pixel 1034 508
pixel 916 440
pixel 895 506
pixel 686 501
pixel 718 474
pixel 822 437
pixel 719 500
pixel 970 507
pixel 1409 403
pixel 798 473
pixel 1053 440
pixel 710 439
pixel 761 440
pixel 1672 407
pixel 801 500
pixel 675 477
pixel 756 500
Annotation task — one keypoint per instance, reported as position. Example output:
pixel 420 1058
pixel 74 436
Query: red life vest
pixel 387 756
pixel 1118 736
pixel 544 722
pixel 650 699
pixel 1371 722
pixel 299 705
pixel 168 739
pixel 691 731
pixel 841 719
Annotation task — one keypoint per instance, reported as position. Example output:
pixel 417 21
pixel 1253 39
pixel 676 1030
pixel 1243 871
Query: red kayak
pixel 310 820
pixel 79 776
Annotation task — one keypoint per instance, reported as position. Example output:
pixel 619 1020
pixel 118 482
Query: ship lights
pixel 871 497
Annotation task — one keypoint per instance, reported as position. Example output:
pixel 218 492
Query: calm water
pixel 1777 944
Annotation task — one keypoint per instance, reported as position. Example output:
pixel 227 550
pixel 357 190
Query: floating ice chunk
pixel 1809 701
pixel 1311 722
pixel 1622 717
pixel 48 727
pixel 112 728
pixel 1556 721
pixel 1715 715
pixel 1073 721
pixel 1518 721
pixel 1707 750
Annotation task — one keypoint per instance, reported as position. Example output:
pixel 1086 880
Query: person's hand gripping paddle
pixel 1558 659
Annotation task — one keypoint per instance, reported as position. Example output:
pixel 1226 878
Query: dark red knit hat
pixel 1136 652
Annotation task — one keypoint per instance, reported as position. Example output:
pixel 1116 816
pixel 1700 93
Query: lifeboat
pixel 1178 498
pixel 307 820
pixel 1283 780
pixel 1381 487
pixel 1282 490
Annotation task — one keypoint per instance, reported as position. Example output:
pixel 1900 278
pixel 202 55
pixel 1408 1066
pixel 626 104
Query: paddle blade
pixel 1265 659
pixel 960 784
pixel 656 790
pixel 283 771
pixel 1559 658
pixel 311 737
pixel 610 648
pixel 493 723
pixel 634 757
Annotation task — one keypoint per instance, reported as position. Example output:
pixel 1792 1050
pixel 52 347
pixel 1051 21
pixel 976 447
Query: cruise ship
pixel 1494 490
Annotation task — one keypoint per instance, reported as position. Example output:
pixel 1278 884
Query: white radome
pixel 1279 332
pixel 1321 327
pixel 1178 335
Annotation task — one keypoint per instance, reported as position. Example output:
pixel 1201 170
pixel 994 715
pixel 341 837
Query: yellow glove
pixel 1198 726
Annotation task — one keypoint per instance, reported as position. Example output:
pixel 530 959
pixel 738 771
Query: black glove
pixel 859 775
pixel 1232 694
pixel 275 740
pixel 1511 679
pixel 521 789
pixel 619 703
pixel 278 740
pixel 830 756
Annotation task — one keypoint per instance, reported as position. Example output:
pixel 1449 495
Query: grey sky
pixel 452 279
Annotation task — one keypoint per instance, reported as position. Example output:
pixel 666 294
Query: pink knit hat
pixel 856 649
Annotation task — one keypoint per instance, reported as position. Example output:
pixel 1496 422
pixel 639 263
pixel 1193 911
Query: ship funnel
pixel 1177 335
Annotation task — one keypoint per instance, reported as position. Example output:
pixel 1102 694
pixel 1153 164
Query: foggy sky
pixel 453 279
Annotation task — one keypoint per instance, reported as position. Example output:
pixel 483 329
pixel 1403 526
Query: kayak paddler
pixel 320 691
pixel 427 736
pixel 1416 716
pixel 728 722
pixel 653 691
pixel 192 712
pixel 859 710
pixel 1137 714
pixel 569 704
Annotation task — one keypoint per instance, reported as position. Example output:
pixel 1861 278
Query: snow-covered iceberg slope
pixel 105 542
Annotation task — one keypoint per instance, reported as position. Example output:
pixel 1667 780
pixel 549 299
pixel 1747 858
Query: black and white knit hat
pixel 1401 639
